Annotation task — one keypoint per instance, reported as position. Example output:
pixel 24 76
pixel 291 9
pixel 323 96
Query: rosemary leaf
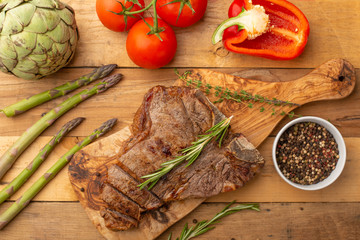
pixel 216 132
pixel 206 225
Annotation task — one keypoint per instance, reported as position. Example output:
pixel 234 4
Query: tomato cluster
pixel 151 43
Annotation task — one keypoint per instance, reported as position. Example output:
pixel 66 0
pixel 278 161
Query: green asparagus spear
pixel 33 101
pixel 12 187
pixel 9 157
pixel 25 199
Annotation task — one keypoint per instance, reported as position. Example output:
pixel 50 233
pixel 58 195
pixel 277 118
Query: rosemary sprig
pixel 241 96
pixel 191 153
pixel 203 226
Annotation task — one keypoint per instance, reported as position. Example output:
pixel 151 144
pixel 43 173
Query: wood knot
pixel 220 51
pixel 159 216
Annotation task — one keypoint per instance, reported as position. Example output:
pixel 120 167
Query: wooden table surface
pixel 286 213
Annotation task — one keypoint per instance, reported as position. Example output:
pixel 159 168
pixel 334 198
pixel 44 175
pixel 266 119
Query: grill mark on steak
pixel 127 185
pixel 170 123
pixel 120 202
pixel 168 120
pixel 208 174
pixel 117 221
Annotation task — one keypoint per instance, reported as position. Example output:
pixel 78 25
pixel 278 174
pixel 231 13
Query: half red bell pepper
pixel 284 38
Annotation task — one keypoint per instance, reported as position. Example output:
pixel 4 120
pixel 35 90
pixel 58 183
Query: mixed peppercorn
pixel 307 153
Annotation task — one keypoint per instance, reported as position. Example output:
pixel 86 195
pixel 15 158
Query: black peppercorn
pixel 307 153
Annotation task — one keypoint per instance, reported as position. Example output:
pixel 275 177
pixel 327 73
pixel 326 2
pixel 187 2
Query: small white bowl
pixel 341 146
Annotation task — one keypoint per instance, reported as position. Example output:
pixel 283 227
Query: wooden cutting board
pixel 334 79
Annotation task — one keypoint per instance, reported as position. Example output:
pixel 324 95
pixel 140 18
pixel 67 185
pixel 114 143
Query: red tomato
pixel 147 50
pixel 169 12
pixel 115 22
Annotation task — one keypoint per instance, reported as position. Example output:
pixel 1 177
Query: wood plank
pixel 335 30
pixel 332 221
pixel 124 99
pixel 267 187
pixel 67 221
pixel 55 220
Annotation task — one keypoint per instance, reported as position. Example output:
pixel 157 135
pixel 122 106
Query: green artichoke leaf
pixel 74 37
pixel 61 48
pixel 68 56
pixel 12 24
pixel 37 23
pixel 11 4
pixel 60 34
pixel 44 20
pixel 3 3
pixel 24 75
pixel 7 64
pixel 40 59
pixel 44 44
pixel 7 49
pixel 2 19
pixel 27 65
pixel 3 68
pixel 47 70
pixel 67 16
pixel 24 13
pixel 24 43
pixel 50 4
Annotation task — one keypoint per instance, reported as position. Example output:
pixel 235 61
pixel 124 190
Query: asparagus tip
pixel 113 79
pixel 110 81
pixel 105 70
pixel 68 127
pixel 73 123
pixel 106 126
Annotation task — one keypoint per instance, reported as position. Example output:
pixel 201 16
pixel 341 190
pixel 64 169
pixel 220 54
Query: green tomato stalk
pixel 154 29
pixel 33 101
pixel 10 156
pixel 12 187
pixel 25 199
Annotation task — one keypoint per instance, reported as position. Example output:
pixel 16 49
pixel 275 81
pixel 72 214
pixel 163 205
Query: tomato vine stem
pixel 153 29
pixel 153 2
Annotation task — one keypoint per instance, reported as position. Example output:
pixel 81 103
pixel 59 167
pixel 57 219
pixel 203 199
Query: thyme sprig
pixel 203 226
pixel 191 153
pixel 241 96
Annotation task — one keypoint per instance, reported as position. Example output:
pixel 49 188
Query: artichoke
pixel 37 37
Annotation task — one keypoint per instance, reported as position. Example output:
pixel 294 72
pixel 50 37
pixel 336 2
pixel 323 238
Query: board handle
pixel 335 79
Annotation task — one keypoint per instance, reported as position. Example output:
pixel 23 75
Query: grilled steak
pixel 169 120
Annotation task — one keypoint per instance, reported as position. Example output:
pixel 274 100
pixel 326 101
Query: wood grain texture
pixel 334 32
pixel 280 221
pixel 334 79
pixel 266 187
pixel 331 221
pixel 123 100
pixel 332 213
